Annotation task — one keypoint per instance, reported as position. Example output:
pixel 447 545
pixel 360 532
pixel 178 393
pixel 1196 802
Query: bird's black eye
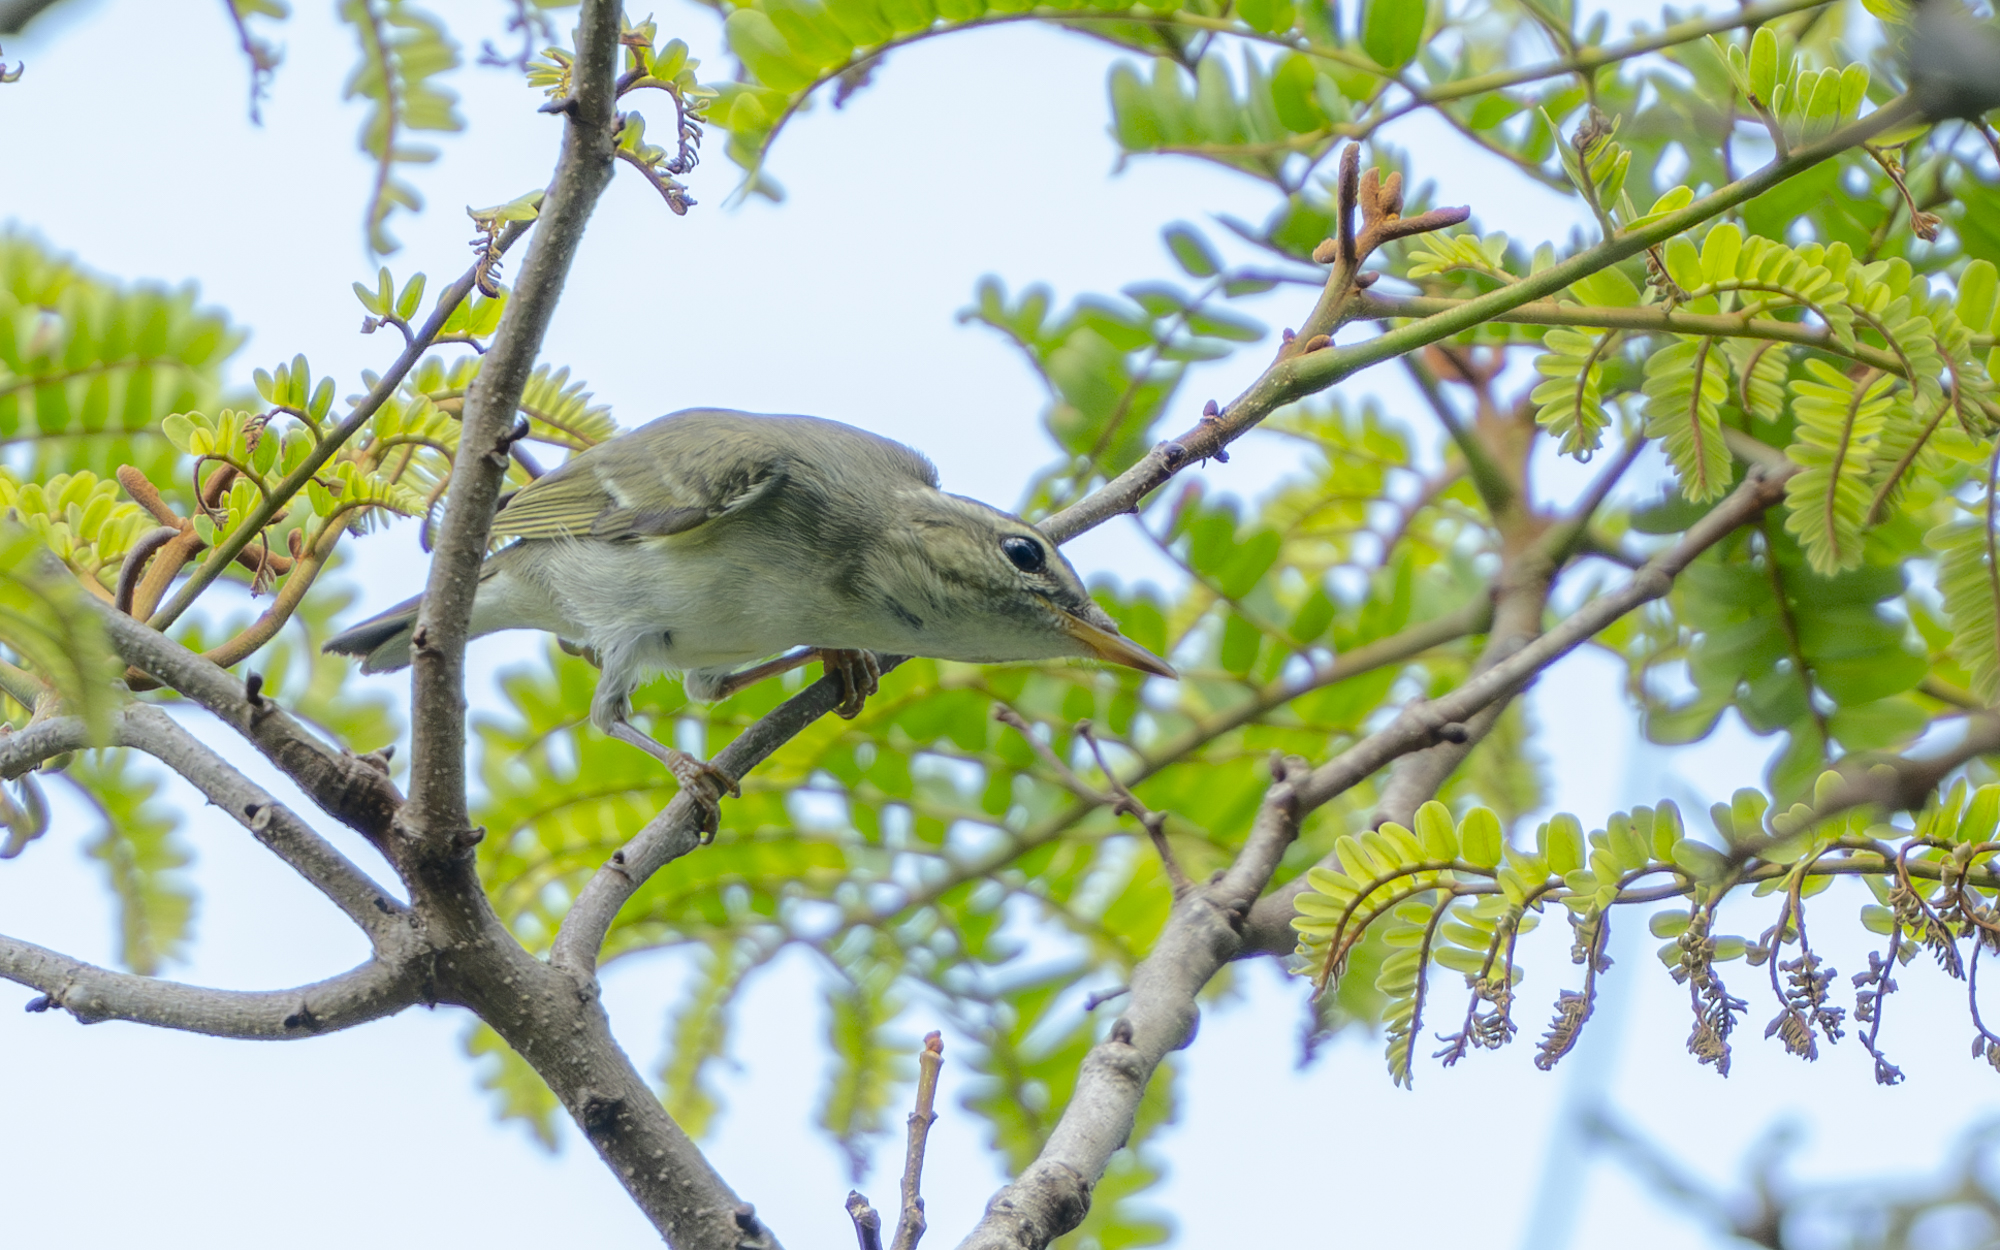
pixel 1026 553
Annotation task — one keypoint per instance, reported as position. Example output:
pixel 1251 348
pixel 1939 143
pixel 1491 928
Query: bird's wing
pixel 648 491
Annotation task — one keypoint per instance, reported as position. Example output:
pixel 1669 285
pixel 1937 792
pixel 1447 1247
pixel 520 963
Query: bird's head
pixel 977 584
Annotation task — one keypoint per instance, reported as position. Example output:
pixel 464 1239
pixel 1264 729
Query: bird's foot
pixel 700 780
pixel 860 676
pixel 705 784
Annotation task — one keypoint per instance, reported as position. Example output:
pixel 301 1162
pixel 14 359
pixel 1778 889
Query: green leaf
pixel 755 39
pixel 1392 31
pixel 1434 829
pixel 1840 422
pixel 1563 844
pixel 1763 63
pixel 1607 288
pixel 1686 382
pixel 1191 252
pixel 1270 16
pixel 1976 294
pixel 1479 838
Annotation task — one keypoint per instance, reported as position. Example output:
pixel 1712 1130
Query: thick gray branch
pixel 558 1025
pixel 549 1016
pixel 92 994
pixel 151 730
pixel 39 743
pixel 352 792
pixel 146 728
pixel 1203 933
pixel 437 818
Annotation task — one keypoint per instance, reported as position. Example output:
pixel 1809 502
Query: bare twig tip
pixel 867 1223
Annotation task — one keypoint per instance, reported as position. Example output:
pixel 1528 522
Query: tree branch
pixel 910 1225
pixel 352 792
pixel 281 495
pixel 550 1016
pixel 1650 318
pixel 146 728
pixel 1298 376
pixel 367 904
pixel 1898 784
pixel 1203 932
pixel 92 994
pixel 677 829
pixel 1416 727
pixel 437 819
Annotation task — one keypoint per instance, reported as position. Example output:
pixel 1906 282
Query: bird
pixel 707 540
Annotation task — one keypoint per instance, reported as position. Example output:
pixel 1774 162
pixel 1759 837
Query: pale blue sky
pixel 127 143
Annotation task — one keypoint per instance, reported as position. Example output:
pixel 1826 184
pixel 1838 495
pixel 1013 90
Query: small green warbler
pixel 708 539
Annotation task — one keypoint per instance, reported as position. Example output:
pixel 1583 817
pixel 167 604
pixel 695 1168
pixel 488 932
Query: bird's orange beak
pixel 1112 647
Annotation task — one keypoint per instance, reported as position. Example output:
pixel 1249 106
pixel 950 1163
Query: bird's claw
pixel 705 784
pixel 860 676
pixel 700 780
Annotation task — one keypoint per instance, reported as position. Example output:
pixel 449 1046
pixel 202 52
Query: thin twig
pixel 910 1228
pixel 1064 773
pixel 282 494
pixel 1125 803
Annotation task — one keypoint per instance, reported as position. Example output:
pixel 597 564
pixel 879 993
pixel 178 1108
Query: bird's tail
pixel 382 642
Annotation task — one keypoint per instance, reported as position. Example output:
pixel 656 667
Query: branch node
pixel 1121 1031
pixel 40 1003
pixel 598 1113
pixel 1212 411
pixel 1174 454
pixel 1102 997
pixel 253 690
pixel 1453 732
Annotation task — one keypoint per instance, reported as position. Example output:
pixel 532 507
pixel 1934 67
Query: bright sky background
pixel 127 143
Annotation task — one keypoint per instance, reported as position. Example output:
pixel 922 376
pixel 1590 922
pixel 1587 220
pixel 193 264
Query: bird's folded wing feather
pixel 592 498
